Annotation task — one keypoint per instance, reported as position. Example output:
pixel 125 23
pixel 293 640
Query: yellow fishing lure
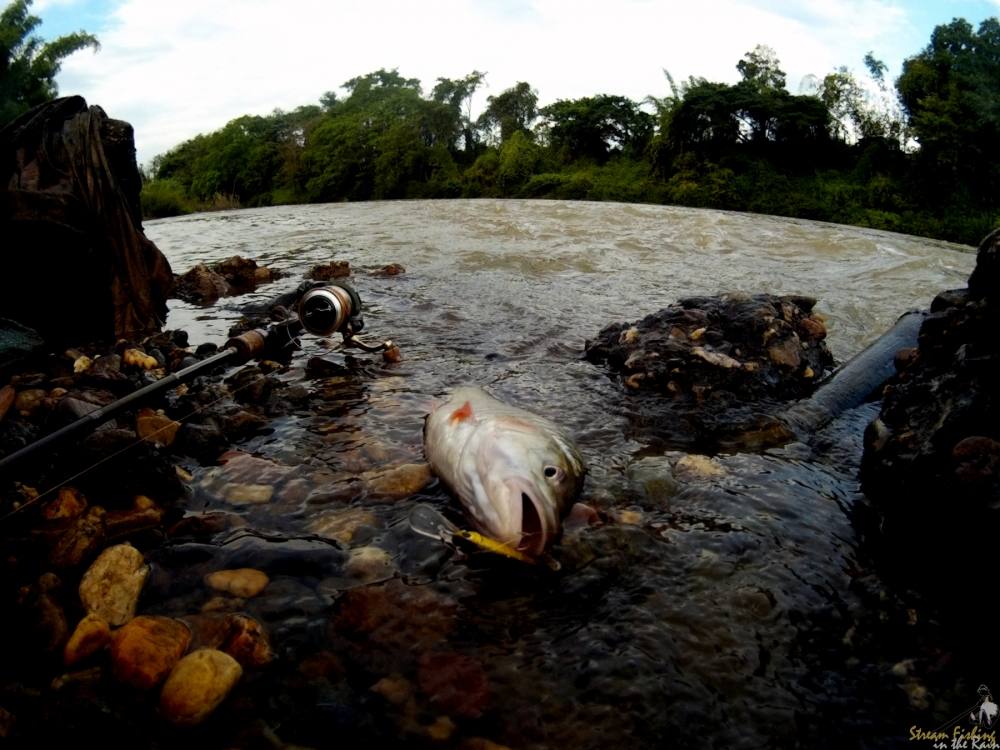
pixel 492 545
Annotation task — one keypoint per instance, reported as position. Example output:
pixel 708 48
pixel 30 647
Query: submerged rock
pixel 751 346
pixel 111 586
pixel 931 461
pixel 197 685
pixel 335 269
pixel 700 371
pixel 90 636
pixel 146 649
pixel 204 284
pixel 245 583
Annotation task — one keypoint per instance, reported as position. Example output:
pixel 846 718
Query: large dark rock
pixel 931 463
pixel 203 284
pixel 701 370
pixel 932 457
pixel 76 264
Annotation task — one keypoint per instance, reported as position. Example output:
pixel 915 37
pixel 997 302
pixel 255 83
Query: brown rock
pixel 787 353
pixel 111 586
pixel 249 494
pixel 342 524
pixel 393 269
pixel 239 635
pixel 7 723
pixel 242 468
pixel 977 460
pixel 139 358
pixel 81 540
pixel 369 564
pixel 453 682
pixel 91 635
pixel 812 328
pixel 49 628
pixel 156 427
pixel 400 481
pixel 481 743
pixel 27 401
pixel 122 523
pixel 395 616
pixel 145 651
pixel 335 269
pixel 7 397
pixel 247 642
pixel 197 685
pixel 201 285
pixel 242 582
pixel 69 503
pixel 395 688
pixel 392 354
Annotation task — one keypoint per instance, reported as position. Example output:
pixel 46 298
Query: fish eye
pixel 554 473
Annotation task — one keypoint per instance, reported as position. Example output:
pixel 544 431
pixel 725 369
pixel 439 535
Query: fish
pixel 514 472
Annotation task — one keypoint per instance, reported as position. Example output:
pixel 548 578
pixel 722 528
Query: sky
pixel 177 68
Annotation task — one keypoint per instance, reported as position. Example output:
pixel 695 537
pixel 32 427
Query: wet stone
pixel 69 503
pixel 111 586
pixel 237 634
pixel 931 462
pixel 146 649
pixel 454 683
pixel 156 427
pixel 28 401
pixel 248 494
pixel 197 685
pixel 242 582
pixel 48 626
pixel 695 467
pixel 92 634
pixel 369 564
pixel 396 689
pixel 691 371
pixel 7 397
pixel 393 269
pixel 399 482
pixel 394 616
pixel 203 441
pixel 81 540
pixel 342 524
pixel 335 269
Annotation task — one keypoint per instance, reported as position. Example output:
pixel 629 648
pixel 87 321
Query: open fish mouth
pixel 535 535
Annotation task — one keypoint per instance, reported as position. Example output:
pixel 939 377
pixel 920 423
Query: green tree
pixel 511 111
pixel 457 96
pixel 383 141
pixel 596 127
pixel 949 93
pixel 862 109
pixel 28 65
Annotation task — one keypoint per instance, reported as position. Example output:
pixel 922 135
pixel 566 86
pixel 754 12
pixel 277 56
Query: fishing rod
pixel 322 310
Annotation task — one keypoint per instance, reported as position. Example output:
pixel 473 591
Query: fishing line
pixel 116 454
pixel 958 718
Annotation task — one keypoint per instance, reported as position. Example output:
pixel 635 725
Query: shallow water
pixel 736 609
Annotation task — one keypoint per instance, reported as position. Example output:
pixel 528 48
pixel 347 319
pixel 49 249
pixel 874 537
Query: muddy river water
pixel 721 604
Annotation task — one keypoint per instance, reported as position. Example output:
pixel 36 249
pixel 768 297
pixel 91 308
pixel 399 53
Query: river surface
pixel 726 603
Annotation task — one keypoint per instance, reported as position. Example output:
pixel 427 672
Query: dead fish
pixel 516 473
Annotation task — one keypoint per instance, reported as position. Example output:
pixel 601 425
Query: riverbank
pixel 835 196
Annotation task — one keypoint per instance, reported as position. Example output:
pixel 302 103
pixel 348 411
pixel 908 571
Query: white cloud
pixel 178 68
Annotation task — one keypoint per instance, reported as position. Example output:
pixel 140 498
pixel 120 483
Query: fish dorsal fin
pixel 462 413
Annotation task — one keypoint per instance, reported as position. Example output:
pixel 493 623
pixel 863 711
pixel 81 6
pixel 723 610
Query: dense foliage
pixel 28 66
pixel 922 159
